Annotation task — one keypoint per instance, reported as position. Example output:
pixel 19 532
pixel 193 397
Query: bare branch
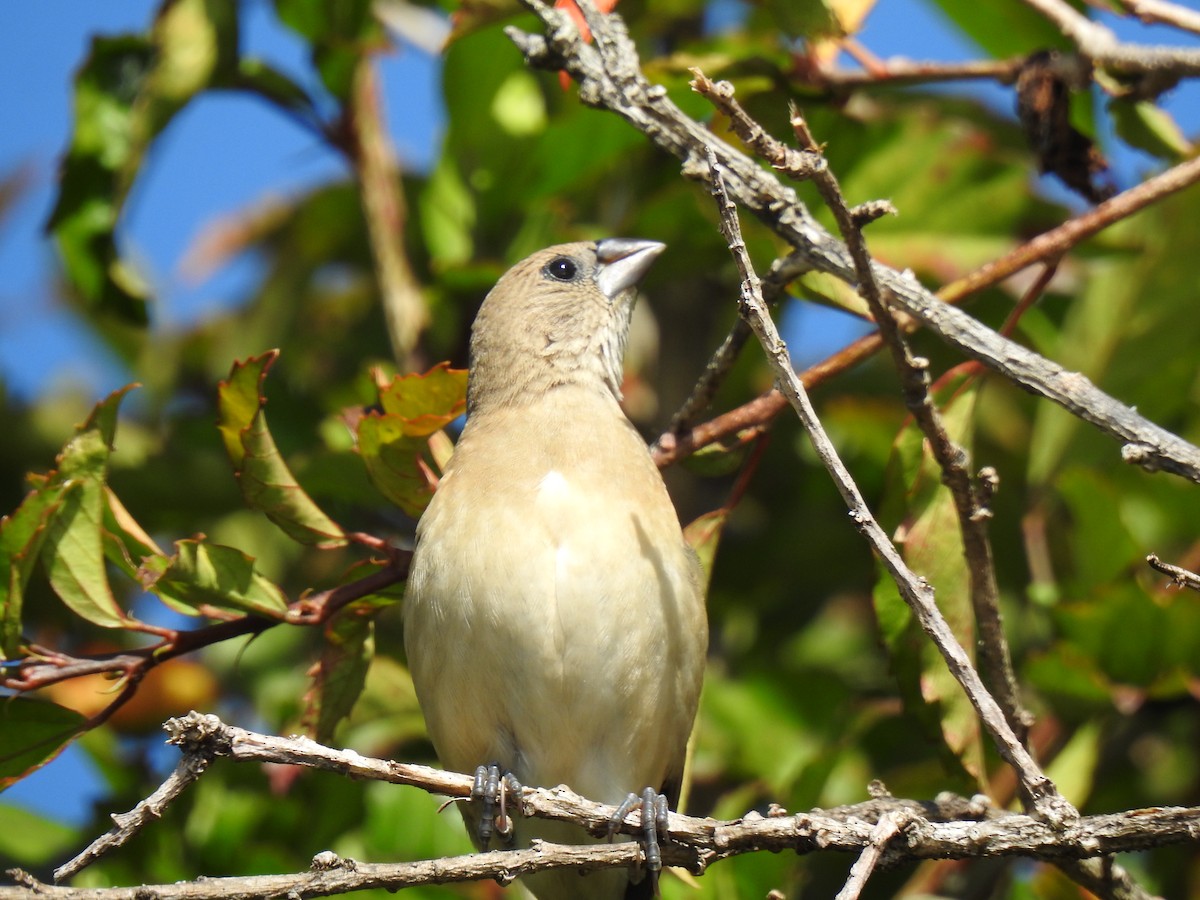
pixel 1099 44
pixel 970 507
pixel 1048 246
pixel 190 767
pixel 609 76
pixel 949 827
pixel 1182 577
pixel 900 72
pixel 888 826
pixel 917 593
pixel 775 284
pixel 1160 11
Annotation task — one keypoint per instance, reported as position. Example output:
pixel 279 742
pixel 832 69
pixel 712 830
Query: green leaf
pixel 447 215
pixel 704 535
pixel 267 483
pixel 1074 767
pixel 1070 676
pixel 1103 547
pixel 340 33
pixel 930 540
pixel 73 552
pixel 128 547
pixel 32 732
pixel 395 461
pixel 1149 127
pixel 735 710
pixel 206 574
pixel 808 19
pixel 96 175
pixel 717 459
pixel 33 840
pixel 86 454
pixel 346 657
pixel 73 556
pixel 21 536
pixel 126 92
pixel 1003 29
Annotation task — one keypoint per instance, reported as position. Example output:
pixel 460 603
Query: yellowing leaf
pixel 426 403
pixel 704 535
pixel 394 443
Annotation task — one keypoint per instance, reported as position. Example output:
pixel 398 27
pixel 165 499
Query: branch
pixel 1159 11
pixel 1180 576
pixel 969 502
pixel 901 72
pixel 610 76
pixel 1100 44
pixel 917 593
pixel 1048 246
pixel 374 161
pixel 50 667
pixel 889 826
pixel 947 827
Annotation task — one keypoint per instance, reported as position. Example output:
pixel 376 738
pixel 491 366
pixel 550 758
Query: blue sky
pixel 227 152
pixel 222 153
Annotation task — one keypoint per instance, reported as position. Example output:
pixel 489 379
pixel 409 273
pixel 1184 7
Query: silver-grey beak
pixel 623 262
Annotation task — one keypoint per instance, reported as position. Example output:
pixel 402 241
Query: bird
pixel 554 615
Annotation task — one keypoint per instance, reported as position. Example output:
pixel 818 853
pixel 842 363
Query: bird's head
pixel 558 317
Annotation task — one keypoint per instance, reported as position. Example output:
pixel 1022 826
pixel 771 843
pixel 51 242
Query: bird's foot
pixel 654 822
pixel 490 791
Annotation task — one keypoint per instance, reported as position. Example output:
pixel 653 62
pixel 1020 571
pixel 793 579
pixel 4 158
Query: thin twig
pixel 1057 241
pixel 705 389
pixel 917 593
pixel 775 286
pixel 374 160
pixel 44 669
pixel 1160 12
pixel 190 767
pixel 1181 576
pixel 886 829
pixel 1048 246
pixel 901 72
pixel 609 75
pixel 995 660
pixel 1100 44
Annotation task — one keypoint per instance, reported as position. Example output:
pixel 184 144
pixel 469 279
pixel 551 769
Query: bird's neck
pixel 524 385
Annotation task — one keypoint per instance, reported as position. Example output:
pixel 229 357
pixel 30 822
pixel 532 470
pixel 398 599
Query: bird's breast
pixel 563 606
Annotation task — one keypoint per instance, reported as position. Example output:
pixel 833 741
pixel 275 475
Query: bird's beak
pixel 623 262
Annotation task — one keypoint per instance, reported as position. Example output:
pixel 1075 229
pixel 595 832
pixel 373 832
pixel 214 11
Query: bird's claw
pixel 491 790
pixel 654 823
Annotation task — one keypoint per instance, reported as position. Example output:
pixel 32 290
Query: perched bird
pixel 554 618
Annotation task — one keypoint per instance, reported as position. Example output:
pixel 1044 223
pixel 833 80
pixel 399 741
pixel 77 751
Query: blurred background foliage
pixel 818 682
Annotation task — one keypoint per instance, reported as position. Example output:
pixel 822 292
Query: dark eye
pixel 561 268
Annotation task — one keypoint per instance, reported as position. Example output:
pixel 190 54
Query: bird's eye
pixel 561 269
